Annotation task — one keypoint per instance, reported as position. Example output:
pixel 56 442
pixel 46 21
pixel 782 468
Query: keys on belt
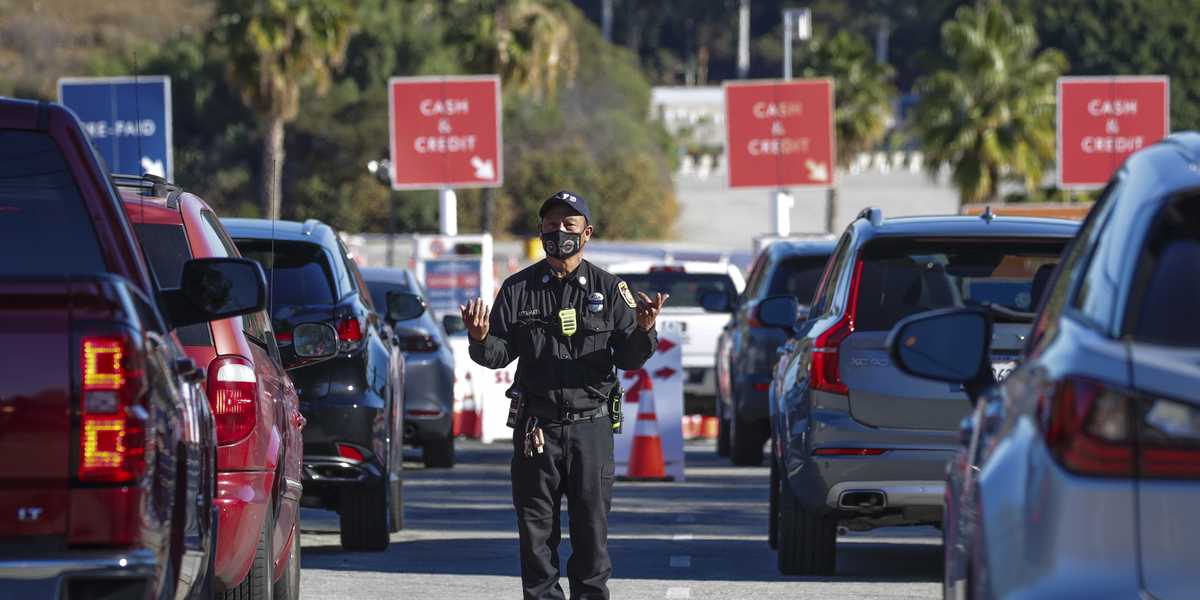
pixel 535 438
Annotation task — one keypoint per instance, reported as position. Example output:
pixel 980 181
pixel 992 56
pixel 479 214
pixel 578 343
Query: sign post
pixel 780 135
pixel 445 133
pixel 128 120
pixel 1102 120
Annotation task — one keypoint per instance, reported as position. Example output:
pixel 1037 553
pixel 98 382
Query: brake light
pixel 848 451
pixel 350 452
pixel 824 372
pixel 233 396
pixel 1087 427
pixel 283 338
pixel 668 269
pixel 112 429
pixel 761 386
pixel 349 330
pixel 418 343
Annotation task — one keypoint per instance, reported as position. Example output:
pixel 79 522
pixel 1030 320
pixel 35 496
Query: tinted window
pixel 255 325
pixel 300 273
pixel 43 220
pixel 798 276
pixel 827 288
pixel 1098 290
pixel 357 283
pixel 685 288
pixel 379 291
pixel 166 247
pixel 757 282
pixel 902 277
pixel 1166 290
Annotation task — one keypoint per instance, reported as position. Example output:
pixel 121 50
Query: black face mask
pixel 561 244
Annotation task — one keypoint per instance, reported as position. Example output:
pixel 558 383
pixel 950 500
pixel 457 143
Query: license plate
pixel 1001 370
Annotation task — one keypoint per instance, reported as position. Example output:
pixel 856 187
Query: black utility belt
pixel 552 414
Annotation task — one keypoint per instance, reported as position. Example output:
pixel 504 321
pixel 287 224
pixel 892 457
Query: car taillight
pixel 112 444
pixel 350 452
pixel 824 373
pixel 1168 439
pixel 233 396
pixel 668 269
pixel 1088 427
pixel 418 343
pixel 283 338
pixel 350 333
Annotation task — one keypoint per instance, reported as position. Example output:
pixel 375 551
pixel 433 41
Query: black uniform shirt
pixel 573 372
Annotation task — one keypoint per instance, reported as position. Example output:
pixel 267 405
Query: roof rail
pixel 150 185
pixel 872 214
pixel 310 225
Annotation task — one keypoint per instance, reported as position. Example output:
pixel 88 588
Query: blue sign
pixel 451 282
pixel 128 120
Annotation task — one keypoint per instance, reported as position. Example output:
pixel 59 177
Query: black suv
pixel 746 350
pixel 353 402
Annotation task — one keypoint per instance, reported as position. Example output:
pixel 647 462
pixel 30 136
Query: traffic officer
pixel 568 323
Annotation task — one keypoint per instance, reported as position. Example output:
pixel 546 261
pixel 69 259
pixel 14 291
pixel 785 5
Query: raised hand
pixel 476 316
pixel 647 309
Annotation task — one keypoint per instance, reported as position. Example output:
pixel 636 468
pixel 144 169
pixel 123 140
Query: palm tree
pixel 862 90
pixel 990 115
pixel 277 48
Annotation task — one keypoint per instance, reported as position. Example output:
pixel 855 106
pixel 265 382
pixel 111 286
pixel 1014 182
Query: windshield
pixel 300 273
pixel 798 276
pixel 685 289
pixel 903 277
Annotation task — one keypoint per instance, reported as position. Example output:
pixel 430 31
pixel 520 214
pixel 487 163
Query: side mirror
pixel 718 302
pixel 403 306
pixel 951 345
pixel 312 343
pixel 453 324
pixel 216 288
pixel 779 311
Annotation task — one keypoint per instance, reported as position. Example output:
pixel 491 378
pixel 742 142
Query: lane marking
pixel 681 560
pixel 683 537
pixel 679 592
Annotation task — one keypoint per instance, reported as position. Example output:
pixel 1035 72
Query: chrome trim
pixel 295 489
pixel 133 563
pixel 897 494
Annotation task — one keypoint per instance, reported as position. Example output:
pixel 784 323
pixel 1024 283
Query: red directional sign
pixel 1102 120
pixel 445 132
pixel 780 133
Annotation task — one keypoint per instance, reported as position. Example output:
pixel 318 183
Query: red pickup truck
pixel 107 442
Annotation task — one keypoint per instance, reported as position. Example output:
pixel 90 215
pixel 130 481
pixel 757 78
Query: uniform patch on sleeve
pixel 626 295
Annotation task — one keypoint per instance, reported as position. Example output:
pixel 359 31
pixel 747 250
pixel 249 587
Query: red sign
pixel 1102 120
pixel 445 132
pixel 780 133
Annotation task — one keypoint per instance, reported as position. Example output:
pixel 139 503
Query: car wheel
pixel 364 518
pixel 746 444
pixel 439 453
pixel 396 506
pixel 260 580
pixel 722 432
pixel 773 510
pixel 807 542
pixel 288 586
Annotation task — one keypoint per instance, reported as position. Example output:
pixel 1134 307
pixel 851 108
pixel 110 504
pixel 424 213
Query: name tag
pixel 566 317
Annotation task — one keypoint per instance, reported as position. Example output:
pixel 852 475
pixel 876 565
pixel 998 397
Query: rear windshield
pixel 379 291
pixel 685 288
pixel 798 276
pixel 299 275
pixel 905 277
pixel 43 220
pixel 166 248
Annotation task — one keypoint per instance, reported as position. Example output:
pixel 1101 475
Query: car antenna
pixel 271 275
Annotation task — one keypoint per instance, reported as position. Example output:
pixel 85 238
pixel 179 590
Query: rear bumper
pixel 428 398
pixel 55 576
pixel 241 502
pixel 361 422
pixel 911 483
pixel 700 381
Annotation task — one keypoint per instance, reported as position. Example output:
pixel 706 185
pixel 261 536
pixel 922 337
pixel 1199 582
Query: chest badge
pixel 595 302
pixel 570 324
pixel 626 295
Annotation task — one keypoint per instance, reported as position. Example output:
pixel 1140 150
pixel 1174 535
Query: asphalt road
pixel 701 539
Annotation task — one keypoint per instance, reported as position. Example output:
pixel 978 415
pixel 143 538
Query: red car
pixel 253 401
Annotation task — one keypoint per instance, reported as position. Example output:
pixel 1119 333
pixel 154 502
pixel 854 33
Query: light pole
pixel 382 170
pixel 797 23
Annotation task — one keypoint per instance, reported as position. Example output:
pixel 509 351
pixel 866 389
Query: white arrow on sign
pixel 483 168
pixel 817 171
pixel 153 167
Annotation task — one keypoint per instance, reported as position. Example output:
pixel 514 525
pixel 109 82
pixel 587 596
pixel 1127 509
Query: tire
pixel 288 586
pixel 722 435
pixel 746 444
pixel 364 519
pixel 773 503
pixel 259 582
pixel 807 542
pixel 396 506
pixel 439 453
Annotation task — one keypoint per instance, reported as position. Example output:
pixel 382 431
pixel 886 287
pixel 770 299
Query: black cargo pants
pixel 577 461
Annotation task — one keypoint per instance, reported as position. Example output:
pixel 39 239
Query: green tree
pixel 862 90
pixel 274 49
pixel 990 114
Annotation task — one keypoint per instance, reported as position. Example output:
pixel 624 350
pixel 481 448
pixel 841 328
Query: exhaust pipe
pixel 865 500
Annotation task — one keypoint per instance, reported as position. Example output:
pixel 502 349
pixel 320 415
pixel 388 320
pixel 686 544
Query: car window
pixel 757 281
pixel 166 247
pixel 379 291
pixel 685 288
pixel 256 324
pixel 299 273
pixel 902 277
pixel 337 255
pixel 827 288
pixel 42 216
pixel 1098 290
pixel 1166 288
pixel 798 276
pixel 357 284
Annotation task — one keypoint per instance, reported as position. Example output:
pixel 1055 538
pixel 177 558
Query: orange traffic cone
pixel 708 427
pixel 646 456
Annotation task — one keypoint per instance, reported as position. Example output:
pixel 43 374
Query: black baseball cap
pixel 570 200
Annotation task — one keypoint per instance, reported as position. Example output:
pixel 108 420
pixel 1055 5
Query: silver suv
pixel 855 441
